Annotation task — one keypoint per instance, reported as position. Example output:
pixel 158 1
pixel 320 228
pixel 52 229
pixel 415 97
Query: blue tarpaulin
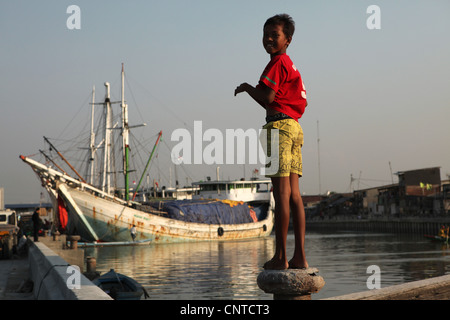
pixel 208 211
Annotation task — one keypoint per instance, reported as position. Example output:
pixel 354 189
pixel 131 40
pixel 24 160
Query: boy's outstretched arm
pixel 262 95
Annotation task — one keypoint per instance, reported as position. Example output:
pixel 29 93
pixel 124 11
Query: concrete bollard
pixel 73 241
pixel 291 284
pixel 91 266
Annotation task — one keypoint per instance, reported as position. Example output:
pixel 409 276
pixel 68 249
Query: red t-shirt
pixel 282 76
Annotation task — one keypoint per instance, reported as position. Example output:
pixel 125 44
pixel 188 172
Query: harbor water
pixel 228 270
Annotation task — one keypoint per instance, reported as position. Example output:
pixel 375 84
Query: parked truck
pixel 8 233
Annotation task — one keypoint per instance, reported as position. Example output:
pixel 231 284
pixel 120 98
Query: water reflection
pixel 204 270
pixel 401 258
pixel 228 270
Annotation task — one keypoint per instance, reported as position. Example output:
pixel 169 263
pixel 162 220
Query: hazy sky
pixel 376 96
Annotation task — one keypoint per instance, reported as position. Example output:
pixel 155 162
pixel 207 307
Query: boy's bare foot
pixel 275 264
pixel 297 264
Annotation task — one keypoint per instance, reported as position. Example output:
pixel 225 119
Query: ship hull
pixel 98 219
pixel 97 216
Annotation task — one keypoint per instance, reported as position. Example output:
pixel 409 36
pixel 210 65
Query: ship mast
pixel 125 137
pixel 108 158
pixel 92 144
pixel 106 184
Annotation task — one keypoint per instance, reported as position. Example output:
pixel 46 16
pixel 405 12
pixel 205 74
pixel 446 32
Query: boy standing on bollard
pixel 281 92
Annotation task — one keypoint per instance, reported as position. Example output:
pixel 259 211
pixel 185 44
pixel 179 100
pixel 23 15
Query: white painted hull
pixel 106 218
pixel 111 221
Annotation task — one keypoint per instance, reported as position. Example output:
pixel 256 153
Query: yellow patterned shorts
pixel 290 142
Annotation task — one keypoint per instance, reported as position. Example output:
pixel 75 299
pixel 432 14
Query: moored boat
pixel 120 287
pixel 442 236
pixel 436 238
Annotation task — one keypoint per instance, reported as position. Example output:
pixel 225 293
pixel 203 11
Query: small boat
pixel 437 238
pixel 120 287
pixel 113 244
pixel 442 235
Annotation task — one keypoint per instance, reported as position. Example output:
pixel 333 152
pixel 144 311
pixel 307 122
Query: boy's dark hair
pixel 285 20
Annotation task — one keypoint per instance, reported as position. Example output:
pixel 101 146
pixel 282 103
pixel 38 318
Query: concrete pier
pixel 47 275
pixel 437 288
pixel 14 279
pixel 55 279
pixel 67 249
pixel 291 284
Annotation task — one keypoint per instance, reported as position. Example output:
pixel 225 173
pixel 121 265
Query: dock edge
pixel 50 275
pixel 437 288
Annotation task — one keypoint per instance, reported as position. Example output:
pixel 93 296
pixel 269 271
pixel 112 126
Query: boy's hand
pixel 262 95
pixel 241 88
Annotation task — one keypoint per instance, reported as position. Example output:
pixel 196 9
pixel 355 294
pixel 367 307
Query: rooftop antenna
pixel 351 187
pixel 359 179
pixel 390 168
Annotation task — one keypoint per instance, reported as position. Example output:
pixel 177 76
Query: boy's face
pixel 274 40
